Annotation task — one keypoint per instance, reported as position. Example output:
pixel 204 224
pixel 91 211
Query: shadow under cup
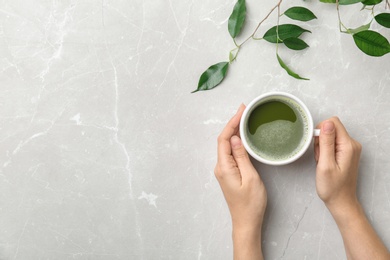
pixel 276 128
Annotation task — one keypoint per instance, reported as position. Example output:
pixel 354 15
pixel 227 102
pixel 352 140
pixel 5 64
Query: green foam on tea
pixel 275 130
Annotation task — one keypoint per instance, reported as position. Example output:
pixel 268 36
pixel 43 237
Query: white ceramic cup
pixel 300 108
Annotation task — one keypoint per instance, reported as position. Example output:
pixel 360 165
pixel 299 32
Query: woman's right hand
pixel 337 156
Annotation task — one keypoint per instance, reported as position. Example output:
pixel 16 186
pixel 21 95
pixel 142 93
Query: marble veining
pixel 105 153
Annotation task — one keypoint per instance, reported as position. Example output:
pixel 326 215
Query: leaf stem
pixel 277 30
pixel 340 22
pixel 235 43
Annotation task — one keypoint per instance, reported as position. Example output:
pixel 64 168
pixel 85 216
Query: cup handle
pixel 316 132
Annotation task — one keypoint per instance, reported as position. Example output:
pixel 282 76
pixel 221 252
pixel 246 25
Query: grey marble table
pixel 105 153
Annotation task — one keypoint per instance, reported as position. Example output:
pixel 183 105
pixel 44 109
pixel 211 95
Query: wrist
pixel 346 214
pixel 247 234
pixel 247 224
pixel 247 243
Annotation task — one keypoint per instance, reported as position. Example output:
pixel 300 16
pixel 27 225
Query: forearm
pixel 247 244
pixel 360 239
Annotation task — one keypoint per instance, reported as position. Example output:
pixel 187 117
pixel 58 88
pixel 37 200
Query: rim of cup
pixel 245 117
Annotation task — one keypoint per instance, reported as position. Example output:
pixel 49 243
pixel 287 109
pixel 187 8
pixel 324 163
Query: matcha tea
pixel 276 130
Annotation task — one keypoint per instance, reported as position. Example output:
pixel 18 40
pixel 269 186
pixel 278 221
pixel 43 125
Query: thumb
pixel 327 143
pixel 240 155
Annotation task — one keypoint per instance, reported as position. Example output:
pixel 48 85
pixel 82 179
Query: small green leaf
pixel 295 43
pixel 233 54
pixel 383 19
pixel 212 76
pixel 237 18
pixel 300 13
pixel 289 71
pixel 371 2
pixel 342 2
pixel 284 31
pixel 231 57
pixel 359 29
pixel 372 43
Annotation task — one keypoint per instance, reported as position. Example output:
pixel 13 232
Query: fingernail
pixel 328 127
pixel 235 142
pixel 239 108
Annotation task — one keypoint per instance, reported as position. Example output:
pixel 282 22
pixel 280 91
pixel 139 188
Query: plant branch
pixel 265 18
pixel 258 25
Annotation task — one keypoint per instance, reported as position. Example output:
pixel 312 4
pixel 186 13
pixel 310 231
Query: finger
pixel 231 128
pixel 241 157
pixel 317 144
pixel 316 149
pixel 341 132
pixel 240 111
pixel 327 141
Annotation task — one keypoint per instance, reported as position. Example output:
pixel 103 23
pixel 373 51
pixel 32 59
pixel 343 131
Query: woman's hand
pixel 243 189
pixel 338 157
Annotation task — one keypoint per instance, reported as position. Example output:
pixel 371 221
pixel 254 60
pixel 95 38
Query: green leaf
pixel 342 2
pixel 300 13
pixel 212 76
pixel 231 57
pixel 359 29
pixel 284 31
pixel 383 19
pixel 237 18
pixel 295 43
pixel 233 54
pixel 289 71
pixel 372 43
pixel 371 2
